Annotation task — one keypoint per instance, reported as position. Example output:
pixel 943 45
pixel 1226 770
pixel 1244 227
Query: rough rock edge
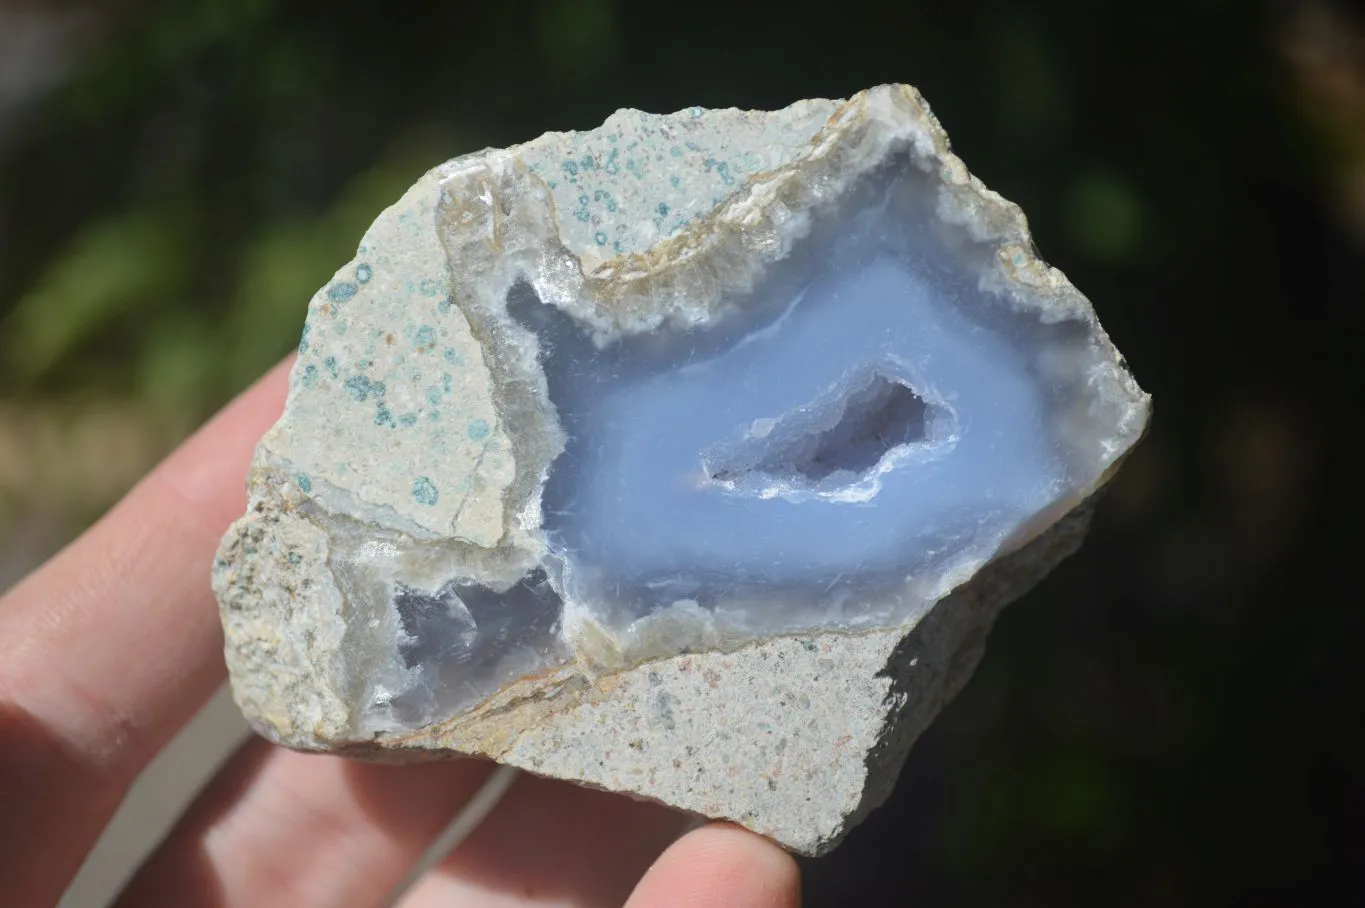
pixel 915 684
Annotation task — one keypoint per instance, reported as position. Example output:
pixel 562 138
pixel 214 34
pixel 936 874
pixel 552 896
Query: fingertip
pixel 720 864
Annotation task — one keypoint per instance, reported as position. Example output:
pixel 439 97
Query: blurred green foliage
pixel 1105 217
pixel 111 269
pixel 142 55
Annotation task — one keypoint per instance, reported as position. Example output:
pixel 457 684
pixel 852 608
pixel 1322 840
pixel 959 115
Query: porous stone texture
pixel 401 586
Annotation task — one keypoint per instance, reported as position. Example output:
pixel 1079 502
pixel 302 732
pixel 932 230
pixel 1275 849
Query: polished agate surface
pixel 679 384
pixel 834 449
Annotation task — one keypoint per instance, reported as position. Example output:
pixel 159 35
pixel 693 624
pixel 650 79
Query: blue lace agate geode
pixel 681 384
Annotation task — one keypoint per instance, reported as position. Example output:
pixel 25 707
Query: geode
pixel 690 457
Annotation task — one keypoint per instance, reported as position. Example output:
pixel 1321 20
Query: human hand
pixel 109 648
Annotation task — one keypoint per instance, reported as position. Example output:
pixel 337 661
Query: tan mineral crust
pixel 419 433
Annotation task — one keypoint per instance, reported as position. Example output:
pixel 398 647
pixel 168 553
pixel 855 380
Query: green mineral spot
pixel 478 429
pixel 363 273
pixel 294 558
pixel 358 387
pixel 341 291
pixel 310 375
pixel 430 287
pixel 303 482
pixel 425 339
pixel 600 238
pixel 424 491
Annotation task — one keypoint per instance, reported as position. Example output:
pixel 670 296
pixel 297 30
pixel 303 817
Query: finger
pixel 550 843
pixel 282 828
pixel 107 649
pixel 720 865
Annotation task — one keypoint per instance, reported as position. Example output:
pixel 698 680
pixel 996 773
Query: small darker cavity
pixel 432 623
pixel 879 416
pixel 524 615
pixel 453 645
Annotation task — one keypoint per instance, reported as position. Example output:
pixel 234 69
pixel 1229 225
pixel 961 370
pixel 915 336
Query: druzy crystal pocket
pixel 712 426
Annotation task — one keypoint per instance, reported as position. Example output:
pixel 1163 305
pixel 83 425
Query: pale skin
pixel 110 647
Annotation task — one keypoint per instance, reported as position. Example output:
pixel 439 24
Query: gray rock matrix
pixel 415 441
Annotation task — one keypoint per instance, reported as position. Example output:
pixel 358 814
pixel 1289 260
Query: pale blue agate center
pixel 852 430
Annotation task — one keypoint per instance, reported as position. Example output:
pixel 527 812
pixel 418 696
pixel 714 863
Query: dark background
pixel 1171 718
